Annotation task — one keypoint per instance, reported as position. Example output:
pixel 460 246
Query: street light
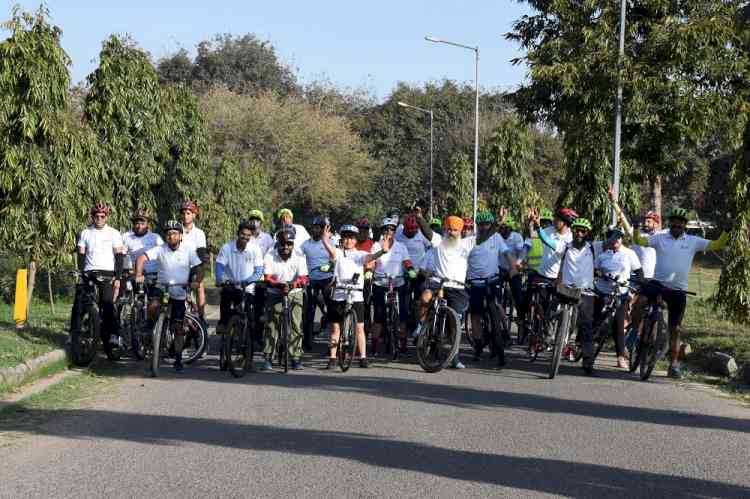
pixel 426 111
pixel 476 108
pixel 618 110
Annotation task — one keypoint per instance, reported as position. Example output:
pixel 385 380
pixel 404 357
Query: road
pixel 388 431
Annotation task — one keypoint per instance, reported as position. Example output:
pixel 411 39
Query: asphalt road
pixel 388 431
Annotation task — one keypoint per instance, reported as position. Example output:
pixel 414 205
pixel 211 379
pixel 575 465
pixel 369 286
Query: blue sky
pixel 370 45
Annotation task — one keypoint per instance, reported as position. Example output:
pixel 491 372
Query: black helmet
pixel 289 230
pixel 245 225
pixel 322 221
pixel 173 225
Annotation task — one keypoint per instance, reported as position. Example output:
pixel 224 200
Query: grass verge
pixel 45 332
pixel 47 370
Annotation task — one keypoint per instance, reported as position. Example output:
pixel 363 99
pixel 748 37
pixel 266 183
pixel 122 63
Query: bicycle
pixel 85 329
pixel 438 342
pixel 282 346
pixel 507 305
pixel 536 319
pixel 162 336
pixel 491 317
pixel 237 344
pixel 132 305
pixel 561 319
pixel 347 345
pixel 391 329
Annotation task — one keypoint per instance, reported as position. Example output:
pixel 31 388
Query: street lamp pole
pixel 618 110
pixel 426 111
pixel 476 109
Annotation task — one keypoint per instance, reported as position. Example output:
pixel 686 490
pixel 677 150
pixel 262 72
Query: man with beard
pixel 416 235
pixel 176 263
pixel 487 252
pixel 321 275
pixel 262 239
pixel 447 261
pixel 139 240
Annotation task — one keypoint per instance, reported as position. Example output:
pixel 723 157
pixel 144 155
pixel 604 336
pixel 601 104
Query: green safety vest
pixel 534 256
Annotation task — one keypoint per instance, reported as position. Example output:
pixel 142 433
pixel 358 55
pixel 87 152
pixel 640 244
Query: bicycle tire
pixel 649 353
pixel 536 335
pixel 393 331
pixel 135 324
pixel 347 341
pixel 634 352
pixel 236 347
pixel 494 332
pixel 561 339
pixel 432 342
pixel 83 340
pixel 284 352
pixel 196 338
pixel 156 338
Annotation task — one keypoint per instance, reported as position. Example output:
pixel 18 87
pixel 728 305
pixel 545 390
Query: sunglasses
pixel 389 228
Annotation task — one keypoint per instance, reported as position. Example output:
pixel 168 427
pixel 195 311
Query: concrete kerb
pixel 14 376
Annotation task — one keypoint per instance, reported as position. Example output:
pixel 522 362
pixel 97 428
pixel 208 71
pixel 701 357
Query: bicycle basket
pixel 568 292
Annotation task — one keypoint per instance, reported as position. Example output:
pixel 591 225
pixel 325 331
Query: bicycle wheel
pixel 284 343
pixel 493 331
pixel 392 325
pixel 438 343
pixel 634 352
pixel 562 321
pixel 83 340
pixel 196 338
pixel 347 341
pixel 236 347
pixel 156 344
pixel 135 324
pixel 652 331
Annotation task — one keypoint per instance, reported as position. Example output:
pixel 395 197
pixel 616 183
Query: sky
pixel 355 45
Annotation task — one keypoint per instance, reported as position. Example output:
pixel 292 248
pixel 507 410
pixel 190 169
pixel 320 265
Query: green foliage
pixel 457 199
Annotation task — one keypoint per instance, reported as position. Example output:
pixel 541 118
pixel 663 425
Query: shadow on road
pixel 536 474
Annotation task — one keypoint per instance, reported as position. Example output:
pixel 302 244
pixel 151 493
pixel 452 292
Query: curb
pixel 14 376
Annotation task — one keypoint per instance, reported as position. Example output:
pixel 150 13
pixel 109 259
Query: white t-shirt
pixel 239 265
pixel 550 266
pixel 283 271
pixel 436 239
pixel 174 266
pixel 316 255
pixel 578 267
pixel 194 239
pixel 264 241
pixel 100 246
pixel 618 265
pixel 392 264
pixel 451 263
pixel 674 257
pixel 348 263
pixel 485 258
pixel 515 244
pixel 137 246
pixel 417 246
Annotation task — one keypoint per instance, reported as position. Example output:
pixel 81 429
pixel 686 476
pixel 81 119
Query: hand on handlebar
pixel 140 278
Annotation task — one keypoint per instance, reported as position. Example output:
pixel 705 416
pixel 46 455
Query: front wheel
pixel 83 339
pixel 653 332
pixel 634 351
pixel 561 339
pixel 156 344
pixel 438 343
pixel 236 347
pixel 393 331
pixel 347 342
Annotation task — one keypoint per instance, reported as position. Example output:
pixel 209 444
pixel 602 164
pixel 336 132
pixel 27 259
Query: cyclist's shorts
pixel 378 301
pixel 675 299
pixel 336 312
pixel 457 298
pixel 477 296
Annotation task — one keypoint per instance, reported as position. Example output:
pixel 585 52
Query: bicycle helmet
pixel 614 233
pixel 363 223
pixel 509 222
pixel 410 223
pixel 100 208
pixel 678 214
pixel 190 206
pixel 289 230
pixel 348 229
pixel 285 211
pixel 581 223
pixel 566 215
pixel 140 214
pixel 653 216
pixel 546 214
pixel 388 221
pixel 394 212
pixel 256 214
pixel 468 223
pixel 322 221
pixel 435 221
pixel 485 217
pixel 173 225
pixel 245 225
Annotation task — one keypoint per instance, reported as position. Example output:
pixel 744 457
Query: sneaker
pixel 456 364
pixel 363 363
pixel 178 366
pixel 675 372
pixel 568 353
pixel 267 366
pixel 588 367
pixel 115 340
pixel 297 365
pixel 331 364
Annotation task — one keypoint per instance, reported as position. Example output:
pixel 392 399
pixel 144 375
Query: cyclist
pixel 139 240
pixel 349 261
pixel 488 251
pixel 515 243
pixel 364 238
pixel 195 238
pixel 321 276
pixel 286 217
pixel 533 247
pixel 447 261
pixel 397 264
pixel 674 258
pixel 239 261
pixel 365 243
pixel 284 269
pixel 617 262
pixel 416 235
pixel 468 229
pixel 263 239
pixel 575 265
pixel 101 253
pixel 176 263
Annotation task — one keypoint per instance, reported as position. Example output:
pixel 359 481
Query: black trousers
pixel 103 282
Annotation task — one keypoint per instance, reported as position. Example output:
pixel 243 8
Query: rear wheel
pixel 347 342
pixel 236 347
pixel 83 339
pixel 438 343
pixel 196 338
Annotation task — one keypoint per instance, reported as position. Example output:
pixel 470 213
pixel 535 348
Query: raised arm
pixel 719 244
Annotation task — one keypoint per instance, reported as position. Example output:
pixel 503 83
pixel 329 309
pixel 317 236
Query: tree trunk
pixel 656 194
pixel 51 295
pixel 31 282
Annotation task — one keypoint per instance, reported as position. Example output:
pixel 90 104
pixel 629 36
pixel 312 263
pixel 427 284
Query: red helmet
pixel 468 223
pixel 100 208
pixel 654 216
pixel 567 215
pixel 363 223
pixel 410 223
pixel 189 205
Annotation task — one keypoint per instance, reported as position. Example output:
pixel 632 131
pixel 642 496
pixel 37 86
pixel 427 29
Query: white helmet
pixel 390 221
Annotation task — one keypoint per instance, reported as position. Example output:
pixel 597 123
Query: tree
pixel 175 69
pixel 457 197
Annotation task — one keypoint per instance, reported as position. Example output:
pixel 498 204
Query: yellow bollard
pixel 19 308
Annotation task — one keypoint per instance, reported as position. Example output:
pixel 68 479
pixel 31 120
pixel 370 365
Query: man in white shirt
pixel 179 265
pixel 397 265
pixel 646 254
pixel 101 255
pixel 416 236
pixel 195 239
pixel 260 238
pixel 139 240
pixel 286 217
pixel 239 263
pixel 285 271
pixel 447 261
pixel 515 243
pixel 321 276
